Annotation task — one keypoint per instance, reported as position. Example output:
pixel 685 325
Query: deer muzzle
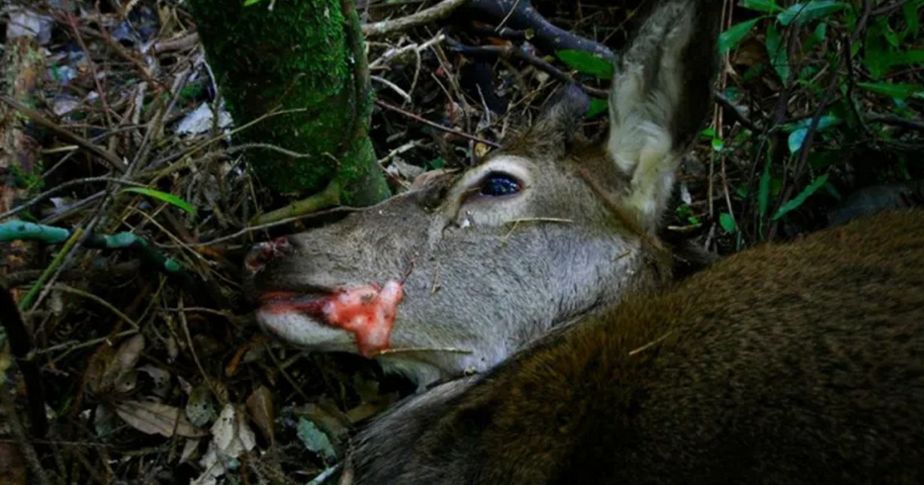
pixel 367 312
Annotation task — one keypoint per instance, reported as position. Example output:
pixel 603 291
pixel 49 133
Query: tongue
pixel 367 311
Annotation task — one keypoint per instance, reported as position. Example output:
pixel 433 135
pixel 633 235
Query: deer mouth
pixel 367 312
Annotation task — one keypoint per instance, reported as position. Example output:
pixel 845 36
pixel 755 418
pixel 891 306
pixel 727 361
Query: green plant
pixel 833 104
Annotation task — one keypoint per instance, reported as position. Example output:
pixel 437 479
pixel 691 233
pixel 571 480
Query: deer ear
pixel 661 94
pixel 561 117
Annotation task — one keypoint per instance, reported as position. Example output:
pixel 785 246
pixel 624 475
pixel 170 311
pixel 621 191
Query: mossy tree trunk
pixel 305 59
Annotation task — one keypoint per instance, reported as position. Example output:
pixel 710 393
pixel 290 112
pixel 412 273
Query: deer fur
pixel 483 276
pixel 792 363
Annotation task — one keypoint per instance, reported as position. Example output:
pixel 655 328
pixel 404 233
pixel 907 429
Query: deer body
pixel 465 270
pixel 796 363
pixel 788 363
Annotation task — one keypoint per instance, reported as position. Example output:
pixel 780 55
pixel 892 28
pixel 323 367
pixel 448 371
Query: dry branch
pixel 437 12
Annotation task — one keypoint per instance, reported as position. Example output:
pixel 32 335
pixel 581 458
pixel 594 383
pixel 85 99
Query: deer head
pixel 466 268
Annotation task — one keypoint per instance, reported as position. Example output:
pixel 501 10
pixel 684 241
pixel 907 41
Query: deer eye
pixel 497 184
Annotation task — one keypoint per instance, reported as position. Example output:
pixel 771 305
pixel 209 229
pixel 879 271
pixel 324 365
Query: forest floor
pixel 111 122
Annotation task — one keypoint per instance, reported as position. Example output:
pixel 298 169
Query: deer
pixel 800 362
pixel 786 363
pixel 466 268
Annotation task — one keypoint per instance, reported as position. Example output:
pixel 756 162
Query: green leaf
pixel 898 91
pixel 436 163
pixel 819 34
pixel 890 36
pixel 908 57
pixel 731 37
pixel 768 6
pixel 796 139
pixel 586 63
pixel 164 197
pixel 596 107
pixel 912 19
pixel 685 212
pixel 803 12
pixel 728 223
pixel 718 144
pixel 800 130
pixel 248 3
pixel 798 200
pixel 779 58
pixel 315 440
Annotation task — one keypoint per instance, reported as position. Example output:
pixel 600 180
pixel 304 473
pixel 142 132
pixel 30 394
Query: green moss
pixel 295 57
pixel 29 179
pixel 192 91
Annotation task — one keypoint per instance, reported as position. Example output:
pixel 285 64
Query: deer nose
pixel 264 252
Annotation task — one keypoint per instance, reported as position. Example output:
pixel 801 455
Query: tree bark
pixel 304 59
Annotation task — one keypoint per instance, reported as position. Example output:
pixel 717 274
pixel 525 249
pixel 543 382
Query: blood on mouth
pixel 367 311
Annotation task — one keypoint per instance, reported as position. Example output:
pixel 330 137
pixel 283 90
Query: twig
pixel 89 296
pixel 124 54
pixel 416 350
pixel 328 197
pixel 21 347
pixel 156 124
pixel 97 79
pixel 898 121
pixel 399 52
pixel 521 15
pixel 112 159
pixel 437 12
pixel 28 451
pixel 511 51
pixel 262 227
pixel 436 125
pixel 30 296
pixel 202 145
pixel 195 356
pixel 72 345
pixel 739 115
pixel 58 188
pixel 181 43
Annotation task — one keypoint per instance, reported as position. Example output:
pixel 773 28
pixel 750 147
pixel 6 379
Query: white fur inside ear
pixel 652 180
pixel 640 141
pixel 645 153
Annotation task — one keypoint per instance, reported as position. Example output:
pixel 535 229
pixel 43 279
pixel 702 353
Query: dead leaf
pixel 129 353
pixel 749 53
pixel 157 418
pixel 200 408
pixel 190 449
pixel 260 405
pixel 231 437
pixel 328 417
pixel 114 369
pixel 364 411
pixel 159 377
pixel 96 368
pixel 316 440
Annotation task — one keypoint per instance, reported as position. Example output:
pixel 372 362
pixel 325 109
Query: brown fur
pixel 794 363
